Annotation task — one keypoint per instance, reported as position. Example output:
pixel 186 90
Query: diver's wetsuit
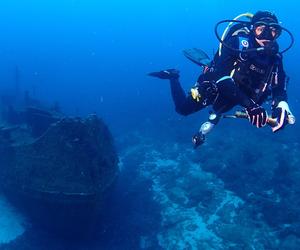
pixel 236 79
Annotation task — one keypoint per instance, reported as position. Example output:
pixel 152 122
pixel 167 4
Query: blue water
pixel 93 56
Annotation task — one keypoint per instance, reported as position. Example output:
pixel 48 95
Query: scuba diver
pixel 247 70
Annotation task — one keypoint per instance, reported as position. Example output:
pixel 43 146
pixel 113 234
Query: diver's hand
pixel 257 115
pixel 198 139
pixel 283 116
pixel 166 74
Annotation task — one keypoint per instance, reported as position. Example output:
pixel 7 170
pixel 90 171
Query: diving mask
pixel 267 31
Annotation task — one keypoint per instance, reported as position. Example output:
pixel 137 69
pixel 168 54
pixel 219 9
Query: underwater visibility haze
pixel 239 190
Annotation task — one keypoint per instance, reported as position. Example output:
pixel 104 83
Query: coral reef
pixel 230 194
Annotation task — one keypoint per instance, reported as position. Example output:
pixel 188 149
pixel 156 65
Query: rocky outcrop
pixel 60 174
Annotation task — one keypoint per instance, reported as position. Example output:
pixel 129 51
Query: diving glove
pixel 283 116
pixel 166 74
pixel 257 115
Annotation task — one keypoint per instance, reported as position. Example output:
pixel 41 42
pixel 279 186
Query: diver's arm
pixel 279 81
pixel 281 110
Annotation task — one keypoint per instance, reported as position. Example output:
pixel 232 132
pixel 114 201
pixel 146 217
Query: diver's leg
pixel 228 90
pixel 219 106
pixel 184 104
pixel 227 96
pixel 222 105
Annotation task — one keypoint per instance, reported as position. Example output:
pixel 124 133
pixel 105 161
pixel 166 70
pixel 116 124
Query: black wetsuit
pixel 235 79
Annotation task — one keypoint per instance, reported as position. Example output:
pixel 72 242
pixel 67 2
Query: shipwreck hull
pixel 61 179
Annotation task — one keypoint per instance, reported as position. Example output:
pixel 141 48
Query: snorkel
pixel 248 26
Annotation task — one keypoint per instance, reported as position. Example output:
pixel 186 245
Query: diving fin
pixel 197 56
